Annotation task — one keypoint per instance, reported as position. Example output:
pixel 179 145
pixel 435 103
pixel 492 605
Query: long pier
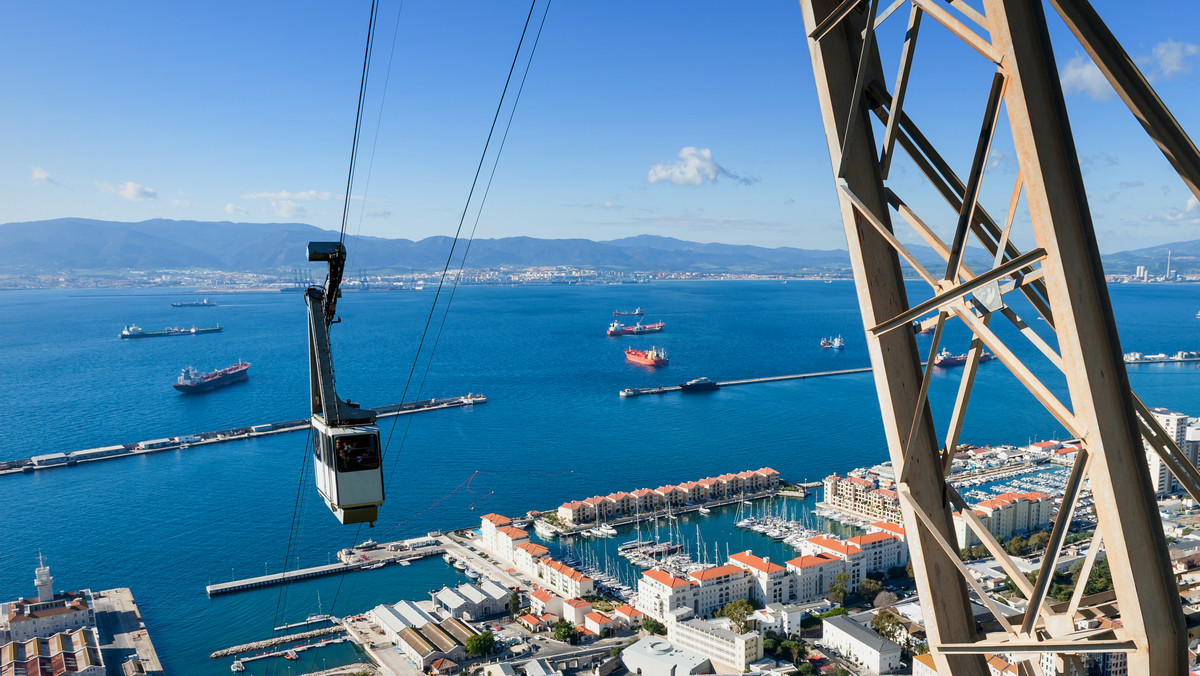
pixel 360 559
pixel 72 458
pixel 638 391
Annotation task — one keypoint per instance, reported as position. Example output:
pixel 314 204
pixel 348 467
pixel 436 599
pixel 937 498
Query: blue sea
pixel 554 429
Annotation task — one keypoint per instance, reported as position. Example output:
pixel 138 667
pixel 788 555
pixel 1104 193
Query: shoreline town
pixel 548 612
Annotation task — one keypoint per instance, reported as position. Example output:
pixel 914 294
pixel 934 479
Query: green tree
pixel 614 651
pixel 653 626
pixel 514 604
pixel 566 632
pixel 1017 546
pixel 737 612
pixel 770 644
pixel 481 644
pixel 868 588
pixel 908 569
pixel 806 669
pixel 898 572
pixel 980 552
pixel 886 625
pixel 837 588
pixel 795 650
pixel 1039 540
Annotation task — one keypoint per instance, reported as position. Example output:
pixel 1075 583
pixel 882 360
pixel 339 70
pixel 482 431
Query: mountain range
pixel 79 245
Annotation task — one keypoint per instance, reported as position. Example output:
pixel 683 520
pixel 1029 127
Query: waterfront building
pixel 888 527
pixel 862 497
pixel 814 574
pixel 526 556
pixel 68 653
pixel 575 512
pixel 851 637
pixel 48 613
pixel 729 651
pixel 660 593
pixel 1006 515
pixel 507 539
pixel 488 525
pixel 671 496
pixel 717 586
pixel 656 656
pixel 394 619
pixel 565 579
pixel 622 504
pixel 646 500
pixel 472 602
pixel 771 582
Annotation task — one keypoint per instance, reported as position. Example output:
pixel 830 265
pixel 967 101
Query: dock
pixel 73 458
pixel 123 635
pixel 750 381
pixel 374 558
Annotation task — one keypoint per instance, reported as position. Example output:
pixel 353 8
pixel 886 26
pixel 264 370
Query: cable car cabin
pixel 349 470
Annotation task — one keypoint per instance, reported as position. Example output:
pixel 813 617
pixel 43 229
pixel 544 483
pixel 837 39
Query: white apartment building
pixel 1006 515
pixel 814 574
pixel 1176 426
pixel 717 586
pixel 663 596
pixel 861 644
pixel 770 582
pixel 526 556
pixel 726 649
pixel 488 525
pixel 568 581
pixel 660 593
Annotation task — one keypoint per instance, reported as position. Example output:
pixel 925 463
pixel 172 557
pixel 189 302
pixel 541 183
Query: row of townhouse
pixel 1006 515
pixel 862 497
pixel 508 543
pixel 547 609
pixel 621 503
pixel 668 598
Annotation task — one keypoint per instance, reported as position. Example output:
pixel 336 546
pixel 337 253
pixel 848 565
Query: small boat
pixel 237 667
pixel 606 530
pixel 405 563
pixel 460 565
pixel 699 385
pixel 619 329
pixel 366 544
pixel 471 574
pixel 623 313
pixel 630 392
pixel 447 558
pixel 290 655
pixel 704 510
pixel 375 566
pixel 651 357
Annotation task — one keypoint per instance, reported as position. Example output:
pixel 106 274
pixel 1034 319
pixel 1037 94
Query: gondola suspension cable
pixel 362 93
pixel 462 219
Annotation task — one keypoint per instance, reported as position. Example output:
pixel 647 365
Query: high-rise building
pixel 1176 425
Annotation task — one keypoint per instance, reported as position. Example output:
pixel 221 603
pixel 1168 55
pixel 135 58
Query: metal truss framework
pixel 1061 278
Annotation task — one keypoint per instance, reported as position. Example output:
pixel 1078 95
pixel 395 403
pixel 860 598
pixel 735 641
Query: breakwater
pixel 72 458
pixel 637 391
pixel 278 640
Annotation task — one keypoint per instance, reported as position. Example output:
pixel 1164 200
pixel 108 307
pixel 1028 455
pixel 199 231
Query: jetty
pixel 277 641
pixel 72 458
pixel 638 391
pixel 350 560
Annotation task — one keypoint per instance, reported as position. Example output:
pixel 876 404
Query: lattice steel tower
pixel 1059 277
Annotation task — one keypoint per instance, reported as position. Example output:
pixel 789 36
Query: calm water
pixel 554 429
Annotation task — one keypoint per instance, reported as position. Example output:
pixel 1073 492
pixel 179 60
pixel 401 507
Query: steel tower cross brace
pixel 1061 277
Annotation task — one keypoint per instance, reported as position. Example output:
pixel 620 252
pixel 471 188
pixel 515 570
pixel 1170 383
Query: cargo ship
pixel 192 381
pixel 619 329
pixel 623 313
pixel 135 331
pixel 204 303
pixel 699 385
pixel 835 342
pixel 651 357
pixel 945 359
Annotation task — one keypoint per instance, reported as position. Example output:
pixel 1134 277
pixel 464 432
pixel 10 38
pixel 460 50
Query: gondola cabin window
pixel 356 453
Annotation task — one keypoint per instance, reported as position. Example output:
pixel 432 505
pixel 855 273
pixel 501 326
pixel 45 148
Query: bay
pixel 553 429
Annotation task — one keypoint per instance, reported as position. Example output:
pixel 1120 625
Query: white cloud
pixel 40 175
pixel 289 209
pixel 695 166
pixel 182 204
pixel 1081 76
pixel 134 192
pixel 1191 204
pixel 232 208
pixel 1172 57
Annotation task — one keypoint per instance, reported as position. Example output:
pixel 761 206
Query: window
pixel 356 453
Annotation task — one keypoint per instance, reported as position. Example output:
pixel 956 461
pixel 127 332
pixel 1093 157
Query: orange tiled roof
pixel 663 577
pixel 627 611
pixel 543 595
pixel 756 562
pixel 498 519
pixel 534 550
pixel 835 545
pixel 713 573
pixel 598 618
pixel 577 603
pixel 806 561
pixel 531 619
pixel 889 527
pixel 513 532
pixel 871 537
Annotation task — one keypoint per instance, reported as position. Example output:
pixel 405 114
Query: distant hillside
pixel 69 245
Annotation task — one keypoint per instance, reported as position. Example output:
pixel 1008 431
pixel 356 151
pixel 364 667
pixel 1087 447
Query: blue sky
pixel 695 120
